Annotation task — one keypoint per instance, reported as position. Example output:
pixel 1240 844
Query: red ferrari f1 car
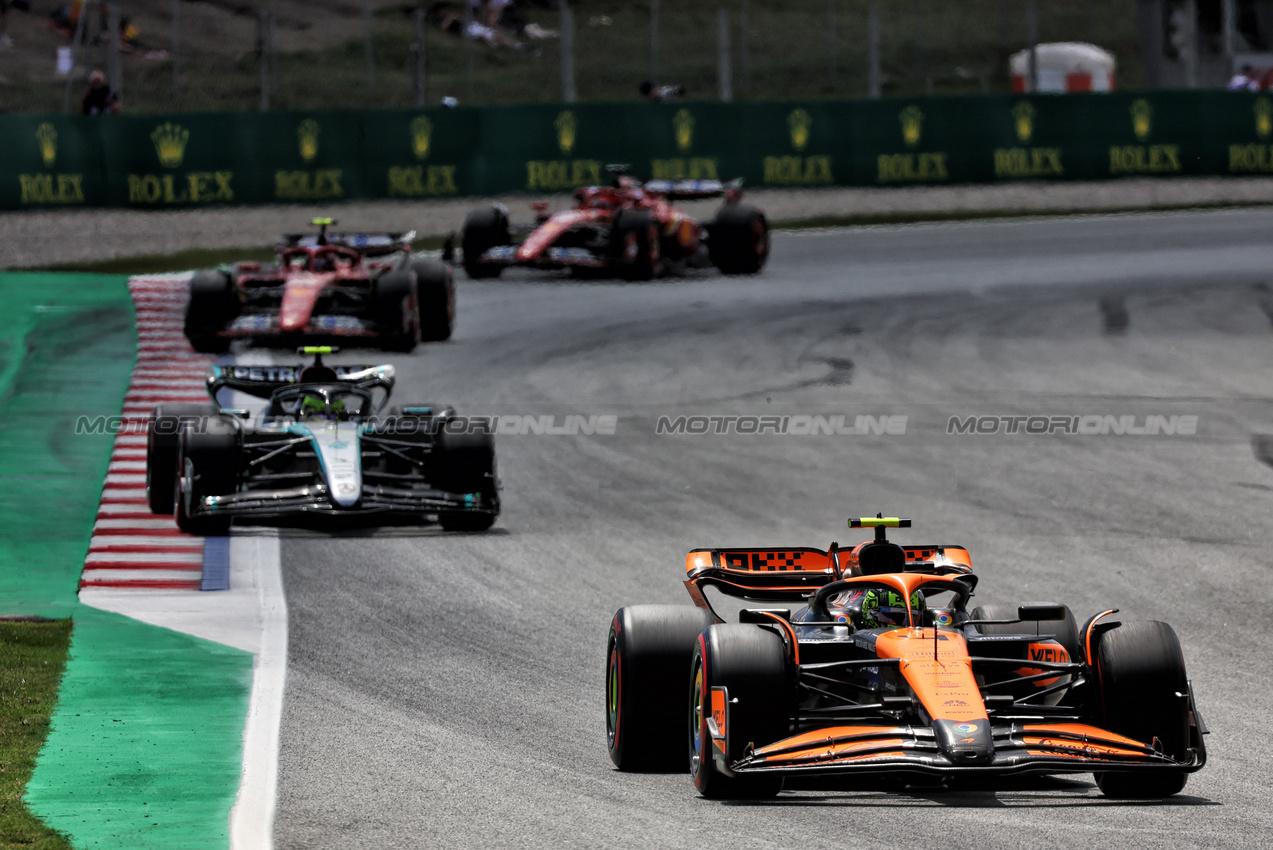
pixel 325 286
pixel 883 670
pixel 628 229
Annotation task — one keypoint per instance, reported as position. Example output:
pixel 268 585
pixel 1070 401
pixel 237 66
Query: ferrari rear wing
pixel 780 573
pixel 690 190
pixel 264 381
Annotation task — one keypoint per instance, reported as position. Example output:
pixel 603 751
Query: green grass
pixel 32 657
pixel 957 46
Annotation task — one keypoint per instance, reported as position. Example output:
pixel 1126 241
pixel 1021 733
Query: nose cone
pixel 965 741
pixel 299 297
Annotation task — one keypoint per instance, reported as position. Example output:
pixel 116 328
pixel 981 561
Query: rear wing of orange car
pixel 785 572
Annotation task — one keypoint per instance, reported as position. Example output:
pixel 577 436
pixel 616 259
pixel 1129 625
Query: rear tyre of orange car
pixel 1064 631
pixel 163 433
pixel 634 242
pixel 738 240
pixel 208 458
pixel 213 305
pixel 750 663
pixel 465 463
pixel 483 230
pixel 396 302
pixel 435 288
pixel 647 654
pixel 1141 671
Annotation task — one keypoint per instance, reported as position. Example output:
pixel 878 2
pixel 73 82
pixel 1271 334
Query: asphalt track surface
pixel 448 689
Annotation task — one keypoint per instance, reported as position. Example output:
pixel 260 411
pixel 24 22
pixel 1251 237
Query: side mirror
pixel 241 412
pixel 1041 611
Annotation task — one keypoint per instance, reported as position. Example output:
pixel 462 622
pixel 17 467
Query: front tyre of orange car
pixel 1144 689
pixel 750 663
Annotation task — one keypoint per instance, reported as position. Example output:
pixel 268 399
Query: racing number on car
pixel 762 561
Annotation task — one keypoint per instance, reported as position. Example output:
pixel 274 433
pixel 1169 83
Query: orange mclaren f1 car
pixel 884 670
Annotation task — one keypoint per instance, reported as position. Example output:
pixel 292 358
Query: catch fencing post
pixel 420 82
pixel 744 61
pixel 469 49
pixel 1228 15
pixel 1032 36
pixel 567 47
pixel 114 71
pixel 262 60
pixel 77 41
pixel 725 70
pixel 176 49
pixel 654 42
pixel 831 42
pixel 371 65
pixel 873 51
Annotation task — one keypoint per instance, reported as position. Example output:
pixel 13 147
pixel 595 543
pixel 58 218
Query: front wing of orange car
pixel 1018 748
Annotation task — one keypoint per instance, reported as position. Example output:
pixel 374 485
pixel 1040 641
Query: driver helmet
pixel 313 406
pixel 881 607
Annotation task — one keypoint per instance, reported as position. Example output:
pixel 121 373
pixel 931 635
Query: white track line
pixel 252 818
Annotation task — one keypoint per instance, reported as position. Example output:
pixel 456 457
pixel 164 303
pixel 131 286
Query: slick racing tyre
pixel 213 304
pixel 396 305
pixel 634 243
pixel 750 663
pixel 465 463
pixel 738 240
pixel 208 459
pixel 647 654
pixel 1065 631
pixel 1141 671
pixel 435 288
pixel 483 230
pixel 163 433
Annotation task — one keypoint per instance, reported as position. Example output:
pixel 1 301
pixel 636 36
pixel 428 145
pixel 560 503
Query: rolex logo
pixel 566 127
pixel 421 133
pixel 912 125
pixel 1023 121
pixel 1263 118
pixel 799 122
pixel 47 137
pixel 683 124
pixel 307 139
pixel 170 143
pixel 1142 118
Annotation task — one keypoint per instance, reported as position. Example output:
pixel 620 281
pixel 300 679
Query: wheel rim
pixel 696 722
pixel 613 695
pixel 760 239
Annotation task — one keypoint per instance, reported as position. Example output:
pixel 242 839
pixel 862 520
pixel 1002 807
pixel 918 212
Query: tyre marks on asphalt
pixel 132 547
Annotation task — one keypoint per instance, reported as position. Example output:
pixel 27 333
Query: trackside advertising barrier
pixel 190 159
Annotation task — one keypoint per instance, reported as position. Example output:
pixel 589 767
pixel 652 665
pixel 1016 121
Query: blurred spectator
pixel 5 41
pixel 98 98
pixel 1244 80
pixel 508 15
pixel 450 18
pixel 650 91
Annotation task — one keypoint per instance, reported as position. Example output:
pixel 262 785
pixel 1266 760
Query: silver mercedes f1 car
pixel 327 443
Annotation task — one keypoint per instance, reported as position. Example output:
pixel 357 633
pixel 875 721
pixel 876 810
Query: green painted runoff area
pixel 145 746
